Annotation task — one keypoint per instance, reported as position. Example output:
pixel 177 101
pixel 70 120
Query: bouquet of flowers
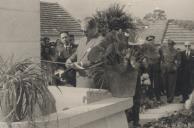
pixel 145 79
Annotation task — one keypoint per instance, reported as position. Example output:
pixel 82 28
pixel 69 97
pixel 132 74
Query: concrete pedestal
pixel 106 113
pixel 117 120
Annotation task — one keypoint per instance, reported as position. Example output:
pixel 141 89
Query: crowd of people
pixel 169 73
pixel 165 70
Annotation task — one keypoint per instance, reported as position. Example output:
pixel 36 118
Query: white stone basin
pixel 106 113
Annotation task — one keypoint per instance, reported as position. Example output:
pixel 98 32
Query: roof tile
pixel 54 19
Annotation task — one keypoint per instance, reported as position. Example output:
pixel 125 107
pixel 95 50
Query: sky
pixel 175 9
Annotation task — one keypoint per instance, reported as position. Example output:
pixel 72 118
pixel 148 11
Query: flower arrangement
pixel 145 79
pixel 114 54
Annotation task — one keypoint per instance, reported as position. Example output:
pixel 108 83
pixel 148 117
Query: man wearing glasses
pixel 79 60
pixel 187 71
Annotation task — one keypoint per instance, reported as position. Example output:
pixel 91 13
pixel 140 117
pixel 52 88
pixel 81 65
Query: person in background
pixel 137 97
pixel 46 55
pixel 63 51
pixel 52 47
pixel 45 48
pixel 152 55
pixel 142 67
pixel 71 74
pixel 79 60
pixel 72 42
pixel 178 89
pixel 169 66
pixel 187 72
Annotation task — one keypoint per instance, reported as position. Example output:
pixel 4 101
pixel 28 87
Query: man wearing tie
pixel 187 71
pixel 63 51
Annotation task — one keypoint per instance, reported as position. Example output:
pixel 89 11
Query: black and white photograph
pixel 96 63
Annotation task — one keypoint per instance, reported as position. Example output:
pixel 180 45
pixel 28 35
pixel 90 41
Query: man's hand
pixel 77 66
pixel 69 63
pixel 134 63
pixel 145 62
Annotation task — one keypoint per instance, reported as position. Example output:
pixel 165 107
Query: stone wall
pixel 20 28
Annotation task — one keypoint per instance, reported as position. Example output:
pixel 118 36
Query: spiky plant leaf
pixel 25 87
pixel 113 18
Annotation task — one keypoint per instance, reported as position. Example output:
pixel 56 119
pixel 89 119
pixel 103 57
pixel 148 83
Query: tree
pixel 114 18
pixel 157 14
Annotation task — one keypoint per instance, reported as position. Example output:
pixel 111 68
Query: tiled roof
pixel 178 33
pixel 54 18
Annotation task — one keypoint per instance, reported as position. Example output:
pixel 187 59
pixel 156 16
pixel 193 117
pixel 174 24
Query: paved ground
pixel 162 111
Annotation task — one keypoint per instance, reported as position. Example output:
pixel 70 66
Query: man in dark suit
pixel 64 49
pixel 187 71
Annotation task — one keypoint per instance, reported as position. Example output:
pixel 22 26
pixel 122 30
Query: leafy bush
pixel 113 18
pixel 24 87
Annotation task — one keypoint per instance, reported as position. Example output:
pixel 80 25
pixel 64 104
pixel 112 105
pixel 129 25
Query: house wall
pixel 20 28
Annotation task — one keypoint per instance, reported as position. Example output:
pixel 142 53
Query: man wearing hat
pixel 152 56
pixel 187 71
pixel 169 65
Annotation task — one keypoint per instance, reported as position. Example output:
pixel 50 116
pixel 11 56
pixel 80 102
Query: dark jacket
pixel 187 72
pixel 169 60
pixel 62 53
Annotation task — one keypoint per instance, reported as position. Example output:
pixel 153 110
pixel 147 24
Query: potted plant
pixel 24 92
pixel 116 72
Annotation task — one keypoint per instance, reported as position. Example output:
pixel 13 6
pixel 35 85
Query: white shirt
pixel 188 53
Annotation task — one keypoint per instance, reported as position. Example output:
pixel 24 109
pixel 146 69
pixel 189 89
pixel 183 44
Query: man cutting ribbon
pixel 79 60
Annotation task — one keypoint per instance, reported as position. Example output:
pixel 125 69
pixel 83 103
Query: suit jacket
pixel 169 61
pixel 187 72
pixel 81 55
pixel 62 53
pixel 187 63
pixel 151 52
